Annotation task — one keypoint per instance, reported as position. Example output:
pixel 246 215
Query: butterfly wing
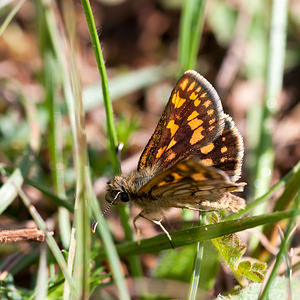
pixel 188 183
pixel 225 152
pixel 192 119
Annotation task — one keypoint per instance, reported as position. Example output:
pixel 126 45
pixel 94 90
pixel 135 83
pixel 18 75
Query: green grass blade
pixel 289 194
pixel 274 76
pixel 72 93
pixel 49 238
pixel 63 202
pixel 124 84
pixel 190 32
pixel 189 40
pixel 55 148
pixel 8 191
pixel 84 190
pixel 199 234
pixel 268 194
pixel 110 249
pixel 197 268
pixel 10 16
pixel 184 33
pixel 287 197
pixel 112 137
pixel 42 276
pixel 112 133
pixel 283 249
pixel 198 20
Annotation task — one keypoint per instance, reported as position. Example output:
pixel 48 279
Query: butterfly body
pixel 192 160
pixel 180 188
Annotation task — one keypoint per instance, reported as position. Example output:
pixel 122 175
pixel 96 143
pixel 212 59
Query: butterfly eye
pixel 124 197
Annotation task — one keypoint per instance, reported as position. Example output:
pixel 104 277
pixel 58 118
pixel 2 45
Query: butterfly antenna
pixel 95 223
pixel 110 204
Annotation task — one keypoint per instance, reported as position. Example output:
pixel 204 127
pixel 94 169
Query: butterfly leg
pixel 138 231
pixel 156 222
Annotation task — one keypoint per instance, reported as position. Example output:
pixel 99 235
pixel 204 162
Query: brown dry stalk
pixel 22 234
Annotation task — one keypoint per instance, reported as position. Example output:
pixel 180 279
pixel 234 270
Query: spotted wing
pixel 188 183
pixel 192 119
pixel 225 152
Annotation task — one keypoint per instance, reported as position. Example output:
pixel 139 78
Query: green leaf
pixel 232 251
pixel 278 291
pixel 252 268
pixel 126 83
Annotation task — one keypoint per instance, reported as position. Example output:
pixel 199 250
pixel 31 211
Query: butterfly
pixel 192 161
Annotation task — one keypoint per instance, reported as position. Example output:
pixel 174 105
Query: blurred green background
pixel 143 44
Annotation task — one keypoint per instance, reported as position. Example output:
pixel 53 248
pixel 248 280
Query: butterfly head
pixel 117 192
pixel 122 189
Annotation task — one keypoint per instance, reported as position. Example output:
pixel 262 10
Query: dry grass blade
pixel 23 234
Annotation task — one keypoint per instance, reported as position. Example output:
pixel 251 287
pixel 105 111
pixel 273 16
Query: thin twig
pixel 22 234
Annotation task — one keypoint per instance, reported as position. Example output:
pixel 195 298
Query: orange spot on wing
pixel 174 98
pixel 177 100
pixel 207 103
pixel 193 96
pixel 162 183
pixel 208 148
pixel 160 152
pixel 173 127
pixel 193 115
pixel 203 95
pixel 210 112
pixel 182 167
pixel 180 102
pixel 183 84
pixel 192 85
pixel 223 159
pixel 171 144
pixel 211 121
pixel 197 102
pixel 207 162
pixel 223 149
pixel 198 89
pixel 198 176
pixel 176 176
pixel 171 156
pixel 210 128
pixel 195 123
pixel 197 135
pixel 223 138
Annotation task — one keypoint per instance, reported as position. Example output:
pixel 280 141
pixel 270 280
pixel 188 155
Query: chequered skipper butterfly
pixel 192 160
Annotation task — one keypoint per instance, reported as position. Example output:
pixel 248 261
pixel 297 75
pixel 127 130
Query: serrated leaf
pixel 252 269
pixel 232 251
pixel 230 248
